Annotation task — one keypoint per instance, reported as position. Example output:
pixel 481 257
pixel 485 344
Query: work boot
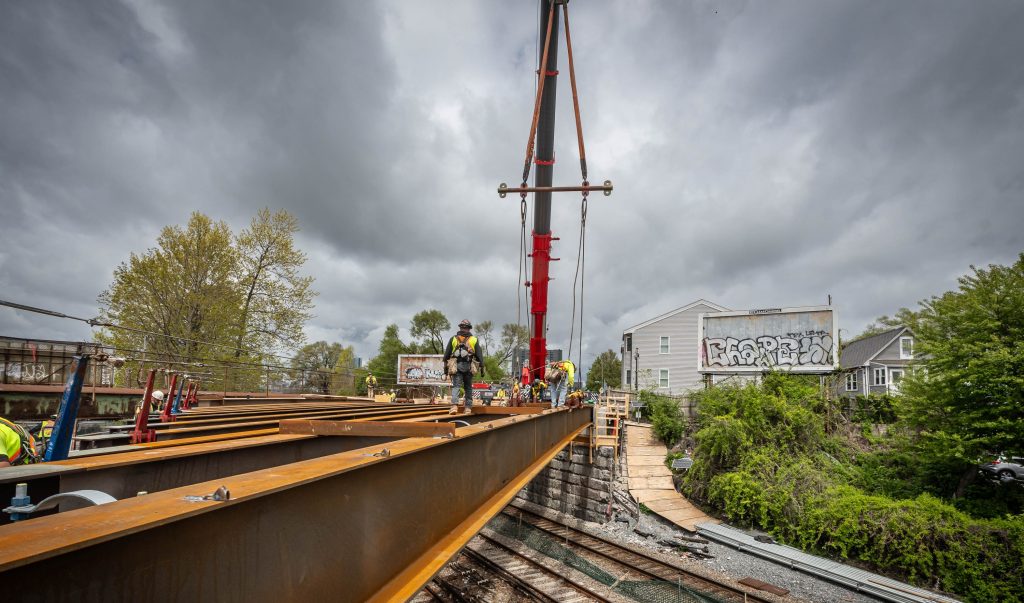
pixel 454 410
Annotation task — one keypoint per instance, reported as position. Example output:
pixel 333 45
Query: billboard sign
pixel 799 340
pixel 421 369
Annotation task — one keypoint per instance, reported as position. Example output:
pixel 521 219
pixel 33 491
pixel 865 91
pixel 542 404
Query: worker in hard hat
pixel 155 398
pixel 537 391
pixel 562 375
pixel 158 400
pixel 17 446
pixel 371 383
pixel 463 358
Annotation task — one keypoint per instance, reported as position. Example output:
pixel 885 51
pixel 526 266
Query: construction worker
pixel 537 391
pixel 392 396
pixel 371 384
pixel 575 399
pixel 158 400
pixel 463 358
pixel 499 398
pixel 17 446
pixel 565 377
pixel 155 400
pixel 43 432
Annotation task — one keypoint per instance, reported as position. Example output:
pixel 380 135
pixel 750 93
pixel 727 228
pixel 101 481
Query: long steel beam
pixel 354 526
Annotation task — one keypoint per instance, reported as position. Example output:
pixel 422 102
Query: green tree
pixel 485 333
pixel 513 336
pixel 326 367
pixel 203 294
pixel 970 342
pixel 185 290
pixel 278 299
pixel 606 368
pixel 430 325
pixel 384 365
pixel 492 370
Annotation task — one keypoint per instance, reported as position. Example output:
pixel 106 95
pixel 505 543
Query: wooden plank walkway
pixel 650 481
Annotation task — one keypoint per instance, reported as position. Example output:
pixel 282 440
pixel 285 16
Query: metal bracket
pixel 220 495
pixel 90 497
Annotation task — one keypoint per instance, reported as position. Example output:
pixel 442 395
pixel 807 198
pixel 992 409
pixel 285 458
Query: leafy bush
pixel 764 456
pixel 666 417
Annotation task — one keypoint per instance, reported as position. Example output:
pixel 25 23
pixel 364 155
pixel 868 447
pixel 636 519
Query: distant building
pixel 664 350
pixel 876 364
pixel 46 362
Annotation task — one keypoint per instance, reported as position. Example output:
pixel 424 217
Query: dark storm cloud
pixel 764 154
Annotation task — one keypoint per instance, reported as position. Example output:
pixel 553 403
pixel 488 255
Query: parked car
pixel 1004 467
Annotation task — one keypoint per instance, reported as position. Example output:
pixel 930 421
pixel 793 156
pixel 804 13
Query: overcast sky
pixel 764 154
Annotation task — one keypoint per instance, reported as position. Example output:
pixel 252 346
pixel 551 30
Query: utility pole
pixel 542 199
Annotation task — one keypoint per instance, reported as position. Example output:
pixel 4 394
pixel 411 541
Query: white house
pixel 876 364
pixel 664 350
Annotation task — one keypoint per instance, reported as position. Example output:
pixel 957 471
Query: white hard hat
pixel 158 395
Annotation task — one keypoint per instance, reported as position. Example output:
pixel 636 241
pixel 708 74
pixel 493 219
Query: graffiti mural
pixel 421 369
pixel 800 339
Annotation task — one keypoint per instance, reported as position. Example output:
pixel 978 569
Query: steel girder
pixel 353 526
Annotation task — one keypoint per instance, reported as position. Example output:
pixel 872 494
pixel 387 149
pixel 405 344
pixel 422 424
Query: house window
pixel 851 382
pixel 628 377
pixel 629 343
pixel 878 376
pixel 895 376
pixel 664 345
pixel 663 378
pixel 906 348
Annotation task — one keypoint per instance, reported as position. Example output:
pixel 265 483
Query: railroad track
pixel 619 561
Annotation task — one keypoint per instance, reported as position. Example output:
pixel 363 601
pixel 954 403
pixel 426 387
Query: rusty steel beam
pixel 354 526
pixel 367 428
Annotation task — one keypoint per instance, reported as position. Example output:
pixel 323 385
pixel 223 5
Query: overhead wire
pixel 96 322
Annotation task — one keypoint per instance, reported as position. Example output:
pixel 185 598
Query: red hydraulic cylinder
pixel 142 432
pixel 539 304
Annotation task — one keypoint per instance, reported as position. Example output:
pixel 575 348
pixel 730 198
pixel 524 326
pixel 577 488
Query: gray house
pixel 876 364
pixel 663 350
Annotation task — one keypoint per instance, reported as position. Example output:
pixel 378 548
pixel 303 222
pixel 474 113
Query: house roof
pixel 674 312
pixel 860 352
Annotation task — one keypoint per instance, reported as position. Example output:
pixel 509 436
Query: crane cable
pixel 581 251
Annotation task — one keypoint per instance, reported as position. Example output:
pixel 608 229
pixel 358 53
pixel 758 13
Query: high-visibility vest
pixel 46 429
pixel 17 444
pixel 470 343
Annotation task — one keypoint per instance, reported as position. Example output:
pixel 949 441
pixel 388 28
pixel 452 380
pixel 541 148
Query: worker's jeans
pixel 558 396
pixel 466 381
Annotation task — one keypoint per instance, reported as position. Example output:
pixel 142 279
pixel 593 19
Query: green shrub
pixel 666 417
pixel 764 456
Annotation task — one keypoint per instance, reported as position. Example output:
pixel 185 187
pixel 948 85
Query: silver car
pixel 1004 467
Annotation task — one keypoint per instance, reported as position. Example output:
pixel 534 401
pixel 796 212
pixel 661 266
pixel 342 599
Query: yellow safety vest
pixel 470 343
pixel 46 429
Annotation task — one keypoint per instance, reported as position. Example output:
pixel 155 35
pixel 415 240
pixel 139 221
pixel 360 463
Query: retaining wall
pixel 571 484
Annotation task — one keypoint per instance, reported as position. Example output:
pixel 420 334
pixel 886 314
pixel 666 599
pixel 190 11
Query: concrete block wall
pixel 571 484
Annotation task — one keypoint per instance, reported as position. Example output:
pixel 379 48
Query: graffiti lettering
pixel 810 348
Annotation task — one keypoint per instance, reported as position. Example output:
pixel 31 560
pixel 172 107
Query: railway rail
pixel 619 560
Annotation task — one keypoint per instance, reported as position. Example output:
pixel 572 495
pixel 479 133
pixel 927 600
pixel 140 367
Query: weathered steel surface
pixel 347 527
pixel 367 428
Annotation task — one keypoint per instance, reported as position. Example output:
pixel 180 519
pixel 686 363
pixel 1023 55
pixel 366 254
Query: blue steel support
pixel 177 399
pixel 64 429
